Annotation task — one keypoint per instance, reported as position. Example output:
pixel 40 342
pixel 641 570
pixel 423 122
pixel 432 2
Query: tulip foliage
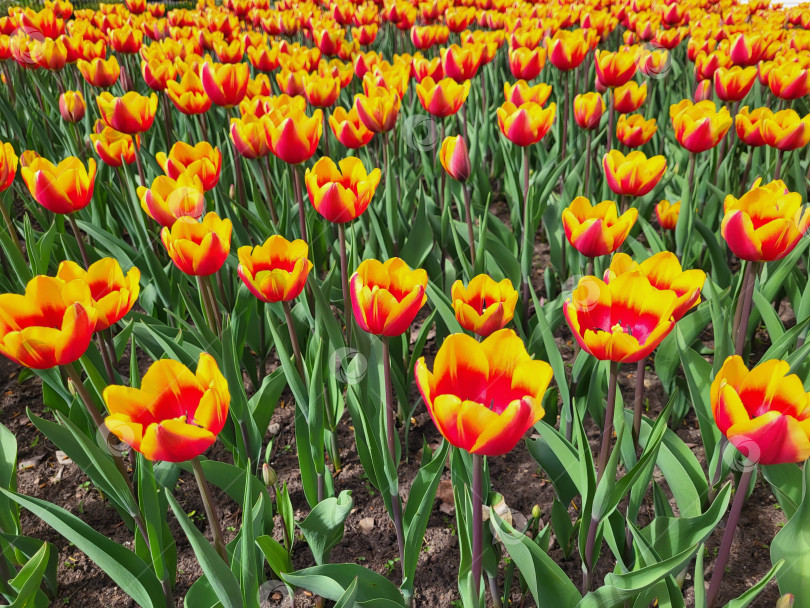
pixel 434 238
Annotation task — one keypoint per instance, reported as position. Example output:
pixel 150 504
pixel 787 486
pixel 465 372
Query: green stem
pixel 468 212
pixel 344 278
pixel 478 521
pixel 210 509
pixel 638 401
pixel 299 360
pixel 607 431
pixel 299 198
pixel 79 241
pixel 746 297
pixel 396 506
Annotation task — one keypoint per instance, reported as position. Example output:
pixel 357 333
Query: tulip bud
pixel 72 106
pixel 455 158
pixel 786 601
pixel 703 91
pixel 536 512
pixel 269 475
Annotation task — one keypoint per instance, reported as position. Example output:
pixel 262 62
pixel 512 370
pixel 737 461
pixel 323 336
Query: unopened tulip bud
pixel 786 601
pixel 703 91
pixel 536 512
pixel 269 475
pixel 72 106
pixel 455 158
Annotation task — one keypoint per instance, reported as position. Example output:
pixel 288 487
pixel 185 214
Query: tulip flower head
pixel 621 321
pixel 292 135
pixel 386 296
pixel 526 63
pixel 634 174
pixel 225 83
pixel 750 126
pixel 699 126
pixel 130 114
pixel 378 109
pixel 202 160
pixel 341 192
pixel 442 98
pixel 526 124
pixel 249 136
pixel 521 92
pixel 664 271
pixel 789 81
pixel 732 84
pixel 786 130
pixel 765 223
pixel 168 199
pixel 50 325
pixel 588 110
pixel 485 305
pixel 599 229
pixel 615 69
pixel 667 214
pixel 349 129
pixel 567 49
pixel 62 188
pixel 764 412
pixel 484 396
pixel 113 293
pixel 629 97
pixel 275 271
pixel 175 415
pixel 634 131
pixel 460 62
pixel 8 165
pixel 189 95
pixel 100 72
pixel 455 158
pixel 72 106
pixel 198 248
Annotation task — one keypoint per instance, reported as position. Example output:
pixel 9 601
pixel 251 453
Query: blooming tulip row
pixel 270 222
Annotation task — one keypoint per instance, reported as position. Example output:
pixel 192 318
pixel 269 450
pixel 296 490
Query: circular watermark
pixel 421 132
pixel 348 365
pixel 274 594
pixel 584 290
pixel 746 457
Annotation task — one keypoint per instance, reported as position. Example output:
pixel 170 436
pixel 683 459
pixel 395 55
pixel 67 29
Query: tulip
pixel 113 147
pixel 596 230
pixel 485 305
pixel 378 109
pixel 249 137
pixel 765 223
pixel 732 84
pixel 8 165
pixel 460 62
pixel 386 296
pixel 100 72
pixel 483 397
pixel 629 97
pixel 526 63
pixel 275 271
pixel 50 325
pixel 349 129
pixel 699 127
pixel 157 73
pixel 321 91
pixel 786 130
pixel 588 110
pixel 621 321
pixel 634 131
pixel 614 69
pixel 664 272
pixel 634 174
pixel 72 106
pixel 526 124
pixel 169 199
pixel 455 158
pixel 789 81
pixel 341 193
pixel 229 52
pixel 126 40
pixel 175 415
pixel 521 92
pixel 667 214
pixel 763 412
pixel 189 95
pixel 198 248
pixel 442 98
pixel 201 160
pixel 62 188
pixel 703 91
pixel 225 83
pixel 568 49
pixel 292 83
pixel 113 293
pixel 130 114
pixel 750 126
pixel 292 135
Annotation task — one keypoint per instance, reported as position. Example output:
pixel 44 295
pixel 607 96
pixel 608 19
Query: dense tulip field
pixel 291 290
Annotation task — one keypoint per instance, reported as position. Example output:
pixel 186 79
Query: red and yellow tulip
pixel 62 188
pixel 341 192
pixel 201 160
pixel 484 305
pixel 634 174
pixel 526 124
pixel 596 230
pixel 275 271
pixel 130 114
pixel 699 126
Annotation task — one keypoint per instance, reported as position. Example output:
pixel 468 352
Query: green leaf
pixel 126 569
pixel 219 576
pixel 29 578
pixel 547 582
pixel 349 597
pixel 330 581
pixel 786 483
pixel 9 511
pixel 323 527
pixel 559 459
pixel 751 594
pixel 791 545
